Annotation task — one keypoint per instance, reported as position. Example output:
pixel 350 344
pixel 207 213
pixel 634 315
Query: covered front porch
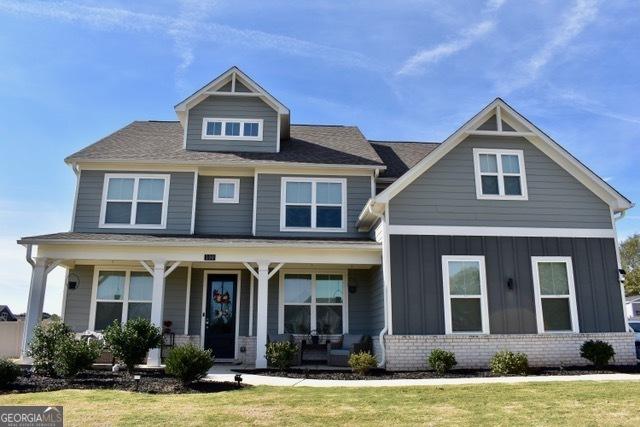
pixel 230 295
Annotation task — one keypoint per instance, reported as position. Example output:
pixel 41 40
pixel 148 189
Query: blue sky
pixel 72 72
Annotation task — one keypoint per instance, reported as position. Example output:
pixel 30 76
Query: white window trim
pixel 573 307
pixel 313 304
pixel 134 201
pixel 484 306
pixel 216 189
pixel 313 204
pixel 125 297
pixel 241 137
pixel 499 174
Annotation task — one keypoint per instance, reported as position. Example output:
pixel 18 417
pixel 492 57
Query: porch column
pixel 261 328
pixel 41 268
pixel 157 307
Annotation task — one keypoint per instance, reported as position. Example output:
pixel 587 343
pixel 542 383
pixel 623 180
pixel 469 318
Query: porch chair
pixel 338 353
pixel 297 358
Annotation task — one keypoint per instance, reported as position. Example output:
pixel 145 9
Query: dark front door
pixel 220 321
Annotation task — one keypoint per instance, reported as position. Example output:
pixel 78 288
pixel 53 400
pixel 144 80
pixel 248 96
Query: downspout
pixel 29 257
pixel 383 332
pixel 618 218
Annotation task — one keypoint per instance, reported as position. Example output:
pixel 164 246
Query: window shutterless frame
pixel 313 204
pixel 571 297
pixel 223 136
pixel 500 174
pixel 484 308
pixel 216 190
pixel 134 201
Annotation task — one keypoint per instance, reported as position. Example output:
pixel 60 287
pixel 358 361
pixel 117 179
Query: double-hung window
pixel 134 201
pixel 312 302
pixel 499 174
pixel 465 294
pixel 226 190
pixel 555 294
pixel 317 204
pixel 246 129
pixel 120 295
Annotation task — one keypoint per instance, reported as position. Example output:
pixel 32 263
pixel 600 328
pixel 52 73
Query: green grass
pixel 570 403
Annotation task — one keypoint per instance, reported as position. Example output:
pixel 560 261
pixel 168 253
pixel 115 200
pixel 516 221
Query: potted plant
pixel 167 326
pixel 315 338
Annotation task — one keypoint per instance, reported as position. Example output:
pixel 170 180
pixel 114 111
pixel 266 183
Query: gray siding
pixel 273 304
pixel 175 298
pixel 376 307
pixel 245 293
pixel 268 218
pixel 232 108
pixel 416 278
pixel 224 218
pixel 87 215
pixel 366 306
pixel 446 194
pixel 78 303
pixel 195 305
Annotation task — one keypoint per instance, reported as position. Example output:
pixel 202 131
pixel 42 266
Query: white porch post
pixel 41 268
pixel 261 324
pixel 157 307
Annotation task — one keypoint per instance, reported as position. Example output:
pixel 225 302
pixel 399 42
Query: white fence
pixel 10 339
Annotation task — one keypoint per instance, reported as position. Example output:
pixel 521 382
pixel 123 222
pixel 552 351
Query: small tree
pixel 597 352
pixel 281 354
pixel 131 342
pixel 188 363
pixel 630 260
pixel 46 339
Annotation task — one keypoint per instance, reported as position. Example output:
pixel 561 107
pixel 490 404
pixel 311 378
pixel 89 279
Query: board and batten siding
pixel 417 285
pixel 89 202
pixel 230 107
pixel 446 194
pixel 366 303
pixel 268 217
pixel 224 218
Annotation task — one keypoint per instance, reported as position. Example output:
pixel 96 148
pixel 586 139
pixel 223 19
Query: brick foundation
pixel 248 357
pixel 410 352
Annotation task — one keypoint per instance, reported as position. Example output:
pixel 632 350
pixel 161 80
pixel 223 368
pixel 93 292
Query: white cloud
pixel 418 62
pixel 584 103
pixel 581 14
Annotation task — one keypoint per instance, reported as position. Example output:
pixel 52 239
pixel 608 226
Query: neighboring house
pixel 6 315
pixel 632 307
pixel 233 223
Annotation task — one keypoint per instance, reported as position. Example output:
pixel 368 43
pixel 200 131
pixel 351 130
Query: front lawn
pixel 572 403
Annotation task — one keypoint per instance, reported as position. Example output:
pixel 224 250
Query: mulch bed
pixel 150 382
pixel 381 374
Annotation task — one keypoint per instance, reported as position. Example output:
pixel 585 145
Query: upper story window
pixel 226 190
pixel 134 201
pixel 556 308
pixel 247 129
pixel 317 204
pixel 465 295
pixel 500 174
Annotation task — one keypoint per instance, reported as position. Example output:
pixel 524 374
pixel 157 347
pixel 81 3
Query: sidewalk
pixel 224 373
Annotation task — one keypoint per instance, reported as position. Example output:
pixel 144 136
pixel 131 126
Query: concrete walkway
pixel 225 373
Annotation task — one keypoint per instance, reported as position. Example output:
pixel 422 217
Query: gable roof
pixel 154 142
pixel 524 128
pixel 400 156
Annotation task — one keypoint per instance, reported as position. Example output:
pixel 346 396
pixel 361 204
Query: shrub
pixel 9 372
pixel 188 363
pixel 281 354
pixel 131 342
pixel 509 363
pixel 73 356
pixel 362 362
pixel 441 361
pixel 597 352
pixel 46 338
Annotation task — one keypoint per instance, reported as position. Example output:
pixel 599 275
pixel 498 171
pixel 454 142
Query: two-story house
pixel 232 224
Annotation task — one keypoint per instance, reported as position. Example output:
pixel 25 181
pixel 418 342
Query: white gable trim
pixel 523 128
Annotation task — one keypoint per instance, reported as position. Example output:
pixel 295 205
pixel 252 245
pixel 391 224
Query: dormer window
pixel 240 129
pixel 499 174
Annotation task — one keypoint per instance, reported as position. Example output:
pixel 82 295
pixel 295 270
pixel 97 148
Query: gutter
pixel 29 257
pixel 383 332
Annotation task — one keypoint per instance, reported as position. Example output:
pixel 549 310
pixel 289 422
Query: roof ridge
pixel 382 141
pixel 323 125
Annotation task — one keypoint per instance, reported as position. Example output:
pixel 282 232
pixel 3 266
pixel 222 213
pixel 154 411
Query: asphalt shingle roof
pixel 158 141
pixel 400 156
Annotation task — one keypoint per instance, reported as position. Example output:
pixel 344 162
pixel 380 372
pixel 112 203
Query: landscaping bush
pixel 361 363
pixel 597 352
pixel 46 339
pixel 73 356
pixel 281 354
pixel 188 363
pixel 509 363
pixel 9 372
pixel 441 361
pixel 131 342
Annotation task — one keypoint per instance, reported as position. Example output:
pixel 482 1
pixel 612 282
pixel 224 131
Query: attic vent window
pixel 232 129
